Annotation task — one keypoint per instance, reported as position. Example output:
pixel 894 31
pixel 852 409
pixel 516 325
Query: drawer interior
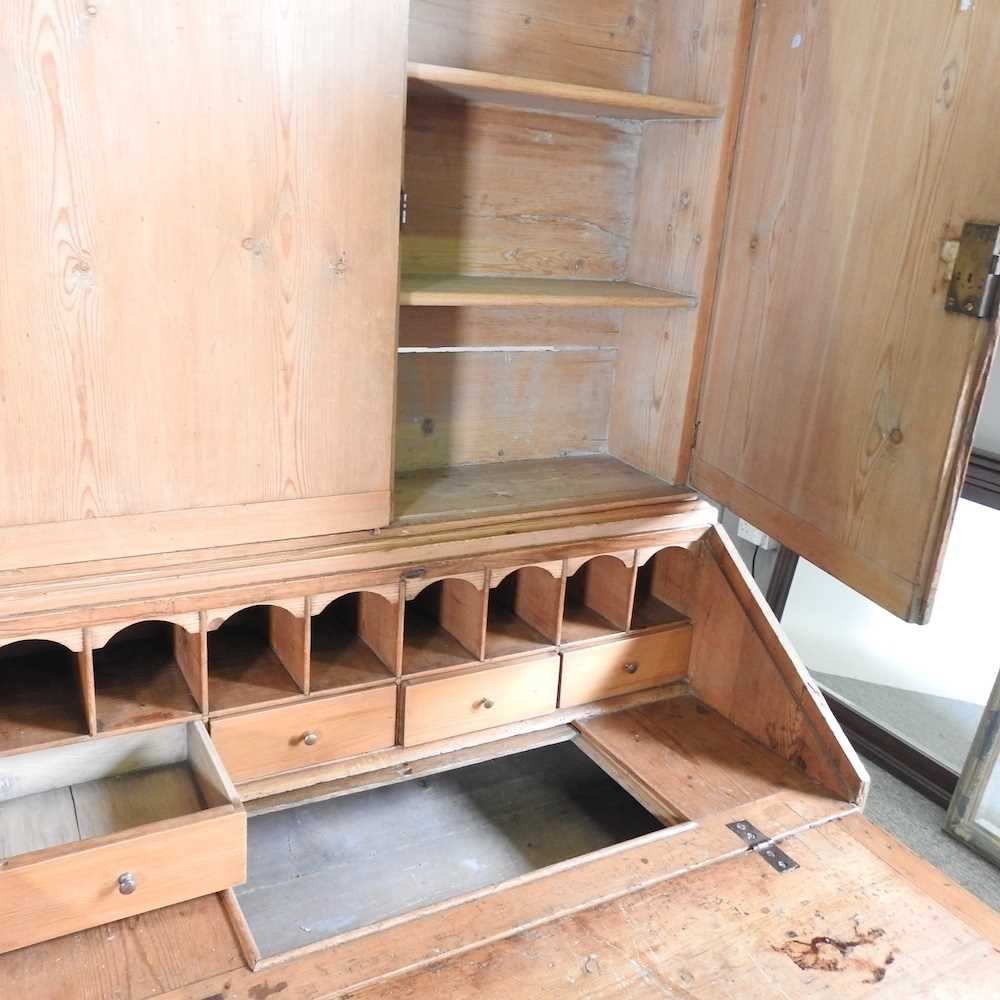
pixel 442 626
pixel 597 600
pixel 40 696
pixel 660 584
pixel 251 658
pixel 138 679
pixel 330 867
pixel 353 641
pixel 523 612
pixel 67 794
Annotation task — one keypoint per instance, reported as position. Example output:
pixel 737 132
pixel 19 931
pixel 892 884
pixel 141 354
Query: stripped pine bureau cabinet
pixel 364 366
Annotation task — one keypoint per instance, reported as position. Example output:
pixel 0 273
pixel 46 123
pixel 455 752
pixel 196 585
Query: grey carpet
pixel 918 823
pixel 941 727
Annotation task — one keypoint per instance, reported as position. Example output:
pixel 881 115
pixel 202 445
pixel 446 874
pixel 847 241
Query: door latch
pixel 975 279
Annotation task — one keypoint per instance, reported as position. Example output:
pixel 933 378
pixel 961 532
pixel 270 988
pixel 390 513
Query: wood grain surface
pixel 198 263
pixel 839 396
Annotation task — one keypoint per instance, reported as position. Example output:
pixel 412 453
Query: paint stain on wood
pixel 824 953
pixel 264 990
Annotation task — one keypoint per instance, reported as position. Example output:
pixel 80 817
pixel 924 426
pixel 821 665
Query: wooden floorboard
pixel 133 959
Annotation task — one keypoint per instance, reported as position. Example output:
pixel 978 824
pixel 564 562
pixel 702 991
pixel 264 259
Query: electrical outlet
pixel 754 536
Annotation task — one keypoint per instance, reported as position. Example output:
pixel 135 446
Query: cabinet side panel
pixel 198 260
pixel 744 668
pixel 699 53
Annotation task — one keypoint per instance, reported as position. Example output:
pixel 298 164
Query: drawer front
pixel 308 732
pixel 76 886
pixel 435 710
pixel 624 665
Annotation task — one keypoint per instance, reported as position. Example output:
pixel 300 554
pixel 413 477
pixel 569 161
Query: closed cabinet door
pixel 839 394
pixel 198 272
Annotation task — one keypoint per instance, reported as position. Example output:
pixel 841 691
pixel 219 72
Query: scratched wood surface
pixel 692 756
pixel 839 396
pixel 198 258
pixel 845 922
pixel 734 928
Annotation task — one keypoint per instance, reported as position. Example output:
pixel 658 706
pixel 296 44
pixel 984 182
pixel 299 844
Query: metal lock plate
pixel 763 846
pixel 976 276
pixel 777 858
pixel 747 832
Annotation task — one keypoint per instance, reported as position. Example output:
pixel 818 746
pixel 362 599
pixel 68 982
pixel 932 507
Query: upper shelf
pixel 467 290
pixel 551 96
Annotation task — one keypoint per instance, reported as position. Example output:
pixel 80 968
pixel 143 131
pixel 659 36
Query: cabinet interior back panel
pixel 597 43
pixel 198 257
pixel 496 405
pixel 496 190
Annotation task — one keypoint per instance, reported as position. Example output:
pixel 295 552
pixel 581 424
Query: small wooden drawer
pixel 624 665
pixel 113 827
pixel 306 733
pixel 465 703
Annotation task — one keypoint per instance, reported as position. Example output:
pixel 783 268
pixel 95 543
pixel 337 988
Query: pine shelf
pixel 452 83
pixel 467 290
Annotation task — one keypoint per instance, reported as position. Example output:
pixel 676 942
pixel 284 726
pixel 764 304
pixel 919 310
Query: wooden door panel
pixel 198 271
pixel 839 397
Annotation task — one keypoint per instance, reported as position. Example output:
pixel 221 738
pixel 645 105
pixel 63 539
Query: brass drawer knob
pixel 631 668
pixel 127 883
pixel 487 703
pixel 310 739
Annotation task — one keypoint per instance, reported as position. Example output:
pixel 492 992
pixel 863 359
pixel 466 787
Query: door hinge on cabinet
pixel 975 278
pixel 403 205
pixel 762 845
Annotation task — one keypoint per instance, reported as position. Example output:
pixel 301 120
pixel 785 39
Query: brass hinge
pixel 975 279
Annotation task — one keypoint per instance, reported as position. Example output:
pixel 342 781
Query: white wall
pixel 987 436
pixel 956 655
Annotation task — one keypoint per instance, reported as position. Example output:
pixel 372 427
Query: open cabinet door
pixel 839 396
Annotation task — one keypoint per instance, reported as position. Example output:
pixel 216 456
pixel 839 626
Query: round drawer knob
pixel 631 668
pixel 127 883
pixel 310 739
pixel 487 703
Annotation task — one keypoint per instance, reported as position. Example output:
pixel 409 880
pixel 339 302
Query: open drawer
pixel 113 827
